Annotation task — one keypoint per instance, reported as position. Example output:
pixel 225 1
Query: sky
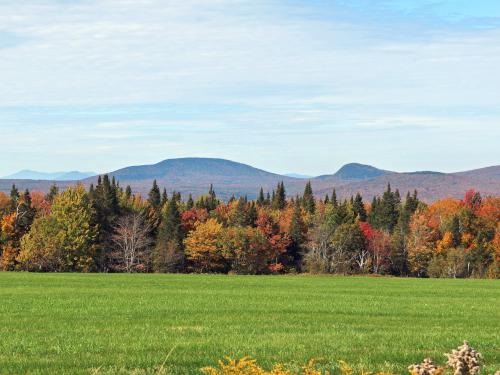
pixel 286 86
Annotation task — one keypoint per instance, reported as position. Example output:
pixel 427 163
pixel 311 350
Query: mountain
pixel 355 172
pixel 298 175
pixel 56 176
pixel 194 175
pixel 430 185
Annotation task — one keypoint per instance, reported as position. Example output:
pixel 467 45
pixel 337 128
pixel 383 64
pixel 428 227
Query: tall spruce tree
pixel 164 198
pixel 279 198
pixel 389 210
pixel 168 255
pixel 14 198
pixel 53 191
pixel 308 201
pixel 128 193
pixel 358 208
pixel 261 200
pixel 334 200
pixel 190 202
pixel 154 196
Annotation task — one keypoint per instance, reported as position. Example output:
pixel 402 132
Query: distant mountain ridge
pixel 194 175
pixel 355 172
pixel 298 175
pixel 56 176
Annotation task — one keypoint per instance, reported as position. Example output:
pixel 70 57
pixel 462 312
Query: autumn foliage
pixel 110 229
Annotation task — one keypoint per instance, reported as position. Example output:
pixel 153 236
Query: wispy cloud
pixel 248 80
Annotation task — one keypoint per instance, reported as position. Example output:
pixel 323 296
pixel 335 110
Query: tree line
pixel 109 229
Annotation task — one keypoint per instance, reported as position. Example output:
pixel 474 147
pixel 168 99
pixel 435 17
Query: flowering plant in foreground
pixel 463 361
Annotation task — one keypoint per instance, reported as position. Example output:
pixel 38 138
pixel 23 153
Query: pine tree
pixel 128 193
pixel 389 210
pixel 252 215
pixel 334 200
pixel 239 214
pixel 358 208
pixel 341 214
pixel 168 255
pixel 261 200
pixel 54 190
pixel 14 198
pixel 308 201
pixel 211 202
pixel 154 197
pixel 190 202
pixel 327 199
pixel 164 198
pixel 268 200
pixel 279 198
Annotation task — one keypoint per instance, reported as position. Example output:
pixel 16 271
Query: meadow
pixel 106 323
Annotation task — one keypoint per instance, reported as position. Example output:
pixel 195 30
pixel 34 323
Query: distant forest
pixel 109 229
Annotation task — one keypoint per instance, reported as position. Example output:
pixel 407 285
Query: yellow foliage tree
pixel 63 240
pixel 202 246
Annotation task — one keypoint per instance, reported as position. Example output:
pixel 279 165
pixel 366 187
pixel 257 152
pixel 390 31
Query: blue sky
pixel 287 86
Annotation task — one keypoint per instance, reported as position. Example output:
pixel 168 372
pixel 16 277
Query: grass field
pixel 73 323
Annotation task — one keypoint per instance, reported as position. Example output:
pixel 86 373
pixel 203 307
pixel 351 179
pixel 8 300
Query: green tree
pixel 14 198
pixel 261 199
pixel 347 245
pixel 53 191
pixel 168 255
pixel 65 239
pixel 358 208
pixel 154 196
pixel 389 210
pixel 190 202
pixel 279 197
pixel 308 200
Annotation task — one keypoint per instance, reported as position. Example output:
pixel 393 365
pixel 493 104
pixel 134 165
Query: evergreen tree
pixel 338 215
pixel 14 198
pixel 334 200
pixel 54 190
pixel 268 199
pixel 176 195
pixel 327 199
pixel 239 215
pixel 154 196
pixel 252 215
pixel 211 202
pixel 389 210
pixel 164 198
pixel 358 208
pixel 105 204
pixel 128 193
pixel 308 201
pixel 168 255
pixel 408 209
pixel 279 198
pixel 261 200
pixel 190 202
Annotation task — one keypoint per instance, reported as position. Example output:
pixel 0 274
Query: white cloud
pixel 255 68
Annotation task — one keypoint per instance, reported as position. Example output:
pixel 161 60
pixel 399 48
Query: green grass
pixel 73 323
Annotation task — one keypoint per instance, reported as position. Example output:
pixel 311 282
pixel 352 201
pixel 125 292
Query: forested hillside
pixel 107 228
